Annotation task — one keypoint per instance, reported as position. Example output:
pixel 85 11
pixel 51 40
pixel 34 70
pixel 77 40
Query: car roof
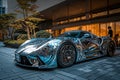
pixel 76 31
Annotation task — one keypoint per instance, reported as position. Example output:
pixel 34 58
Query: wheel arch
pixel 106 44
pixel 111 42
pixel 67 42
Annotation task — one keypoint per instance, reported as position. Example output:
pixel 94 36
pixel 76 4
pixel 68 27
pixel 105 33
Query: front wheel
pixel 66 55
pixel 111 49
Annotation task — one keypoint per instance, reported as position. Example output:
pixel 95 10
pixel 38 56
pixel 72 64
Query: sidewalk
pixel 104 68
pixel 1 44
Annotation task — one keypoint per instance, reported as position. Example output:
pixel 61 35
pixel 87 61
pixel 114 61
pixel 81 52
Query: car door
pixel 89 44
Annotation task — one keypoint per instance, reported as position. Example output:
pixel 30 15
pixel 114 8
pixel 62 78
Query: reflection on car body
pixel 64 50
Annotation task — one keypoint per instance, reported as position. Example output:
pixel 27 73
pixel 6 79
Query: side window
pixel 81 34
pixel 70 34
pixel 84 35
pixel 94 36
pixel 87 35
pixel 74 34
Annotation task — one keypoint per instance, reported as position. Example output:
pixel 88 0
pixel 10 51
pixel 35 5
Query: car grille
pixel 24 60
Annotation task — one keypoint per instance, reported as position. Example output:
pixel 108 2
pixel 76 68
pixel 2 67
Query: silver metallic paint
pixel 46 49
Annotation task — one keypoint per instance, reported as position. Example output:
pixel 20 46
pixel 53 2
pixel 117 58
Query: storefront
pixel 85 15
pixel 99 29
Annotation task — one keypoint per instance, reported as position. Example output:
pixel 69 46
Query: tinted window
pixel 84 35
pixel 70 34
pixel 81 34
pixel 0 3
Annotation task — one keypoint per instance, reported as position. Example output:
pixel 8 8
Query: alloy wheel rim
pixel 111 49
pixel 68 54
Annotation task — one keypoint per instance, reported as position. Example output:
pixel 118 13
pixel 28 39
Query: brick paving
pixel 105 68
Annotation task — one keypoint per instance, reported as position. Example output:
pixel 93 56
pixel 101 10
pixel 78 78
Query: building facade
pixel 3 6
pixel 89 15
pixel 3 10
pixel 42 5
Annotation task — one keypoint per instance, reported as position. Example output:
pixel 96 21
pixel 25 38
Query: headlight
pixel 17 58
pixel 31 48
pixel 45 50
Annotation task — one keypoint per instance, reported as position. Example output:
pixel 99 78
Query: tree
pixel 27 8
pixel 31 23
pixel 5 21
pixel 15 26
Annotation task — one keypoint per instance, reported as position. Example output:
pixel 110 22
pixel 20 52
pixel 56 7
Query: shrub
pixel 13 43
pixel 22 37
pixel 16 35
pixel 42 34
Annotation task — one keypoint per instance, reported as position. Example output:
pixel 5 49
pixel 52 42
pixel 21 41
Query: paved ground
pixel 105 68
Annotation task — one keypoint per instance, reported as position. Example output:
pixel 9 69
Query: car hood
pixel 35 44
pixel 32 44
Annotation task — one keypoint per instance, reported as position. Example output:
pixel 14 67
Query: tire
pixel 66 55
pixel 111 49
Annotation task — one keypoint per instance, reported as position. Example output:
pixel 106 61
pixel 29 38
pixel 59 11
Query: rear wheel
pixel 66 55
pixel 111 49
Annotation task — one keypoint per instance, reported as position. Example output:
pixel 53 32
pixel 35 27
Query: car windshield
pixel 78 34
pixel 69 34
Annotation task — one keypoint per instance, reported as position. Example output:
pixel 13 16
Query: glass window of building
pixel 72 28
pixel 84 28
pixel 103 31
pixel 99 14
pixel 2 10
pixel 118 28
pixel 0 3
pixel 114 11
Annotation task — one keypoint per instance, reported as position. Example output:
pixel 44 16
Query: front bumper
pixel 32 61
pixel 28 61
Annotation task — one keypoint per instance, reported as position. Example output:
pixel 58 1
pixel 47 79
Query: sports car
pixel 63 51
